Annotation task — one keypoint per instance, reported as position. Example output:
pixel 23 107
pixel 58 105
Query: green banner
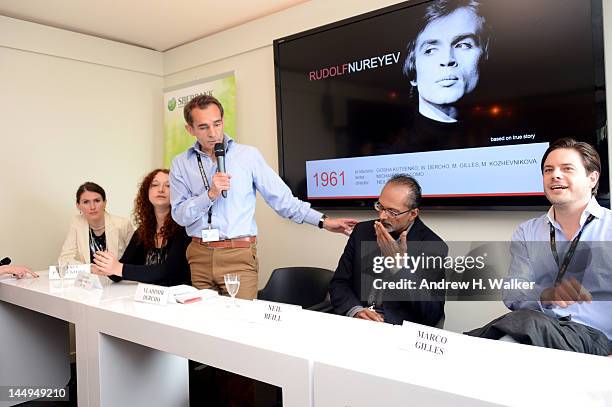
pixel 176 137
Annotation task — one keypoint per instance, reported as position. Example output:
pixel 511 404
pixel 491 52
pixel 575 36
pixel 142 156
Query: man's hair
pixel 415 189
pixel 200 102
pixel 442 8
pixel 90 187
pixel 590 156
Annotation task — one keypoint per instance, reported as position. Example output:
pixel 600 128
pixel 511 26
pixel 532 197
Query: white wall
pixel 74 108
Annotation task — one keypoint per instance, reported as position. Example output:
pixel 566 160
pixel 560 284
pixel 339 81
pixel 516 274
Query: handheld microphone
pixel 5 261
pixel 220 154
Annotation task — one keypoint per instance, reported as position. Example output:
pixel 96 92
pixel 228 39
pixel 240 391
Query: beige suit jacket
pixel 75 250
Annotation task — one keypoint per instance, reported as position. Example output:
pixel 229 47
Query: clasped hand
pixel 389 247
pixel 370 315
pixel 565 293
pixel 17 271
pixel 106 264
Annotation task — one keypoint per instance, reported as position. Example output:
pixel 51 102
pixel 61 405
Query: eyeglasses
pixel 391 212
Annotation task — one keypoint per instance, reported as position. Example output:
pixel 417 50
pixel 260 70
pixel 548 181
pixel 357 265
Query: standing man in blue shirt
pixel 223 229
pixel 565 254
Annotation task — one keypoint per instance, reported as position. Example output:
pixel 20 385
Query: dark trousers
pixel 531 327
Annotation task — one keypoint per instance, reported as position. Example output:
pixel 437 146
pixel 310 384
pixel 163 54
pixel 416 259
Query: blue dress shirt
pixel 533 261
pixel 233 216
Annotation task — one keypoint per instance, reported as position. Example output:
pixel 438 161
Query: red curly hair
pixel 144 214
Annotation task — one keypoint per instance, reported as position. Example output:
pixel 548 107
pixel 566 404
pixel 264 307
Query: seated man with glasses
pixel 357 289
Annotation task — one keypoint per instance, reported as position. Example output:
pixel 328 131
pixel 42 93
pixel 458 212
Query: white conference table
pixel 471 372
pixel 131 353
pixel 211 331
pixel 35 334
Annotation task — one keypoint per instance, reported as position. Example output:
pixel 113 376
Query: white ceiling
pixel 155 24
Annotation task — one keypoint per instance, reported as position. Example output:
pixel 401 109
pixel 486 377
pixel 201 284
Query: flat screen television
pixel 463 95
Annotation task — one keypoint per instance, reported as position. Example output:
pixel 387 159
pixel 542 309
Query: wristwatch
pixel 322 220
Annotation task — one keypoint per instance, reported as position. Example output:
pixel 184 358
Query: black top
pixel 156 255
pixel 96 244
pixel 351 284
pixel 172 270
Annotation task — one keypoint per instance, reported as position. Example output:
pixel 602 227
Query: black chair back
pixel 305 286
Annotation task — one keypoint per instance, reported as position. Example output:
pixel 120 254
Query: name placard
pixel 152 294
pixel 274 313
pixel 87 281
pixel 425 339
pixel 71 271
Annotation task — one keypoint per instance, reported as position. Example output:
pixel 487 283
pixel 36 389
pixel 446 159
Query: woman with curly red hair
pixel 156 252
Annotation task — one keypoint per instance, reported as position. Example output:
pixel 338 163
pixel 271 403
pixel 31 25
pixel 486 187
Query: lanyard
pixel 570 252
pixel 206 186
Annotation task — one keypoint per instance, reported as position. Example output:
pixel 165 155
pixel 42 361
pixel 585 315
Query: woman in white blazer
pixel 94 229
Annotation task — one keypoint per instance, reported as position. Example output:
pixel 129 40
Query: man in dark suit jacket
pixel 398 231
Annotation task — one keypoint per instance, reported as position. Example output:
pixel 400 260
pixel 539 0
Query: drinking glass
pixel 232 284
pixel 62 266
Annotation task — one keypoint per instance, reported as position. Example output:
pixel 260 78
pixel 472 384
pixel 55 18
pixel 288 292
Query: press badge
pixel 210 235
